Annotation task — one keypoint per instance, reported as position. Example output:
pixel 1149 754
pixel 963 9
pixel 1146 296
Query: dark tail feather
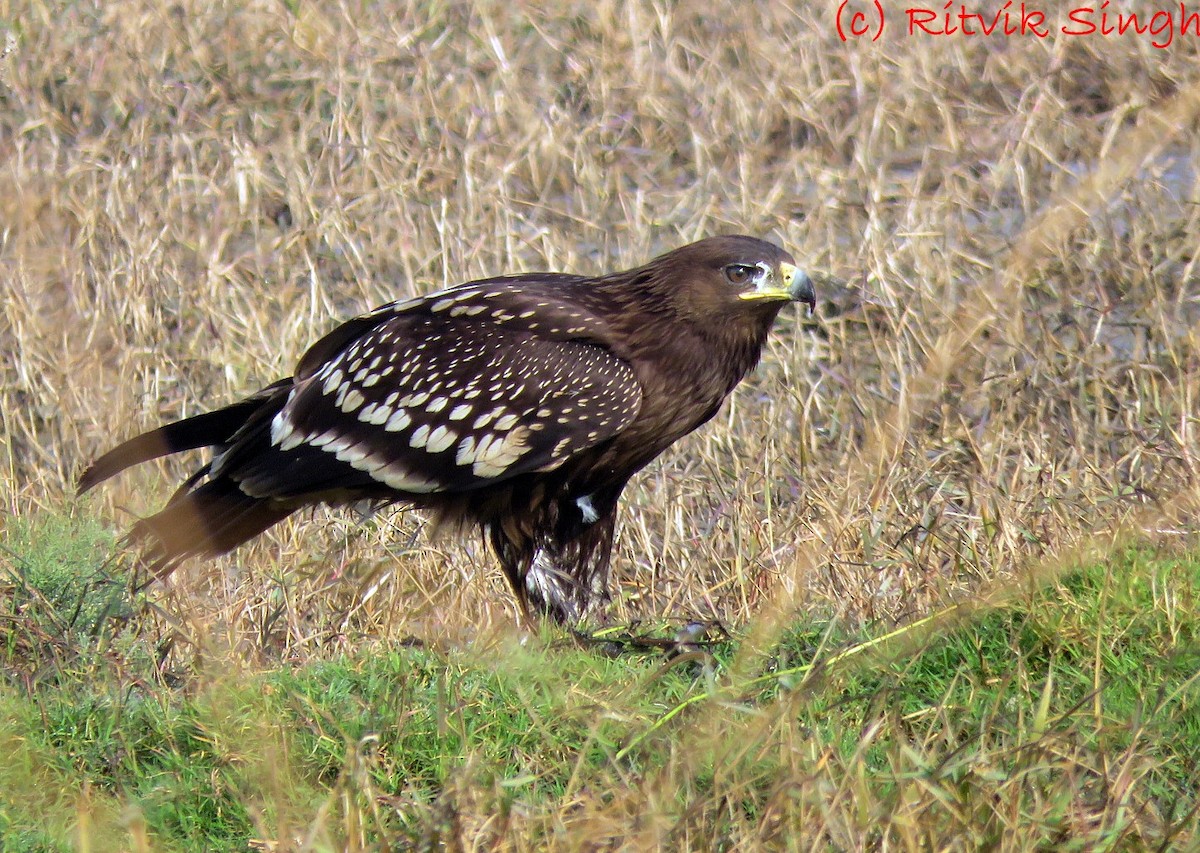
pixel 215 518
pixel 210 429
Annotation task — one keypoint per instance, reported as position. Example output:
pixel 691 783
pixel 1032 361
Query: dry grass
pixel 191 193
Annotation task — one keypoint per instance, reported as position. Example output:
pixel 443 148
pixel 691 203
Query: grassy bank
pixel 1065 712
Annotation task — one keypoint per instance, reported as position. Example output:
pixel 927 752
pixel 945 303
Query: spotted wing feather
pixel 452 394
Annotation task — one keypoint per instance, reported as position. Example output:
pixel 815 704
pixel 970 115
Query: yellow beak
pixel 792 285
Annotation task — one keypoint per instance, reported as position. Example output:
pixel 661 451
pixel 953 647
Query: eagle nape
pixel 519 406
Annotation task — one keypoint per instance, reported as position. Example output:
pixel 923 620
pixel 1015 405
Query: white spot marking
pixel 398 421
pixel 501 453
pixel 466 451
pixel 379 414
pixel 398 478
pixel 334 380
pixel 469 310
pixel 291 440
pixel 322 439
pixel 352 453
pixel 366 462
pixel 486 418
pixel 587 508
pixel 440 439
pixel 280 428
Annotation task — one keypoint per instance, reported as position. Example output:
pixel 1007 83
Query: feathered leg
pixel 565 575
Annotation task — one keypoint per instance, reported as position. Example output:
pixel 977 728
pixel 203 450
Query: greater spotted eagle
pixel 520 405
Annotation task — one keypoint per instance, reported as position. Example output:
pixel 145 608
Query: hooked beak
pixel 794 286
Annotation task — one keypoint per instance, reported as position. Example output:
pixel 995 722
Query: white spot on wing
pixel 397 421
pixel 487 417
pixel 374 413
pixel 469 310
pixel 322 439
pixel 281 428
pixel 332 382
pixel 403 480
pixel 466 451
pixel 365 462
pixel 501 453
pixel 440 439
pixel 352 453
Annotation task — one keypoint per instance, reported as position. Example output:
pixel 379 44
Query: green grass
pixel 1083 693
pixel 1070 710
pixel 57 566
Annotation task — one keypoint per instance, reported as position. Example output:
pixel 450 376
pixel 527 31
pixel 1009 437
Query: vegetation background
pixel 947 525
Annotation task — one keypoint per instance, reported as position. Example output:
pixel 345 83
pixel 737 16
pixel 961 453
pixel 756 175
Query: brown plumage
pixel 521 405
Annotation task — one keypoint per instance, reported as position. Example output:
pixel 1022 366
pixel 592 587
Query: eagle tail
pixel 212 519
pixel 210 429
pixel 206 519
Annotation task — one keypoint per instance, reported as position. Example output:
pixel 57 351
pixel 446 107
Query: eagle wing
pixel 448 393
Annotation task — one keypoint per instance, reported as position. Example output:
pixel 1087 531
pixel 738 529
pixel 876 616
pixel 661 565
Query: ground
pixel 994 404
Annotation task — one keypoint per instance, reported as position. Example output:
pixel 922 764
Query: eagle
pixel 519 405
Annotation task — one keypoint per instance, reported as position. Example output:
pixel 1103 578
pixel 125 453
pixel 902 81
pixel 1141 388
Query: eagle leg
pixel 562 574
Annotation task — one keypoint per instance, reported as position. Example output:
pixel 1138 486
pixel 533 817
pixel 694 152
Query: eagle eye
pixel 740 273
